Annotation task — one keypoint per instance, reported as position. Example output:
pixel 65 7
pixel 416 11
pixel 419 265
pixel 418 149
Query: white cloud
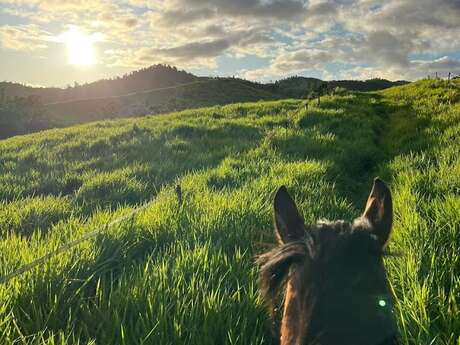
pixel 23 37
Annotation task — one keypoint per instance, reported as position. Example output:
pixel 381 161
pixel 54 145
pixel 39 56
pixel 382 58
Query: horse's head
pixel 332 275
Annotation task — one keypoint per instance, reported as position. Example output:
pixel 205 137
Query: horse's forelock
pixel 275 266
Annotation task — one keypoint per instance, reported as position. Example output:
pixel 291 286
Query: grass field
pixel 185 274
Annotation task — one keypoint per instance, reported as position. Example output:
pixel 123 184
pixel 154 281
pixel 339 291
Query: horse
pixel 336 290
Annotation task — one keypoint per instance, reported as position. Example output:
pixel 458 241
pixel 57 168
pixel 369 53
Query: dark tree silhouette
pixel 21 115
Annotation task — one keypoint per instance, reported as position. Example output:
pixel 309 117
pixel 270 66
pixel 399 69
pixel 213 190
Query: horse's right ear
pixel 289 224
pixel 379 211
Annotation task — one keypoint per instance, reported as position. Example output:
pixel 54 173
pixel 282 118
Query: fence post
pixel 179 194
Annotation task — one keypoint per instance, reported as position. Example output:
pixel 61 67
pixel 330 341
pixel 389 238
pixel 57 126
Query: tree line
pixel 21 115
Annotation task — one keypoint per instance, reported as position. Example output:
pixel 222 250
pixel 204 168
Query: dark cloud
pixel 251 37
pixel 277 9
pixel 413 14
pixel 182 17
pixel 322 9
pixel 215 47
pixel 383 47
pixel 130 22
pixel 214 30
pixel 194 50
pixel 300 60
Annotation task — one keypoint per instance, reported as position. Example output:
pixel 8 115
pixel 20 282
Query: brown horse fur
pixel 332 275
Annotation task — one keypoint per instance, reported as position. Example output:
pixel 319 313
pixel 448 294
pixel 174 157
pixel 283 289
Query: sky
pixel 60 42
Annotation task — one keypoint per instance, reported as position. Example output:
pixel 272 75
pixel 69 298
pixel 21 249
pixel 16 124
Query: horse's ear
pixel 379 211
pixel 289 224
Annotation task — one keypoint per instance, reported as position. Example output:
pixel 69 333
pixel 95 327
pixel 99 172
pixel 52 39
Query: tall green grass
pixel 185 274
pixel 424 140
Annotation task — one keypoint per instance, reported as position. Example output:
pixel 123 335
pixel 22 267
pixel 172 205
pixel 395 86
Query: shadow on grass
pixel 352 134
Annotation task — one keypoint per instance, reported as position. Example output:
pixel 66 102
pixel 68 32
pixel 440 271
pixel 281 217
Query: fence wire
pixel 41 260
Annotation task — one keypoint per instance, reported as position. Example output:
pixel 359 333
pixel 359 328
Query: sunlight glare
pixel 80 47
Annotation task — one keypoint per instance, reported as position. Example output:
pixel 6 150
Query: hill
pixel 156 76
pixel 191 95
pixel 153 90
pixel 301 87
pixel 164 76
pixel 374 84
pixel 296 87
pixel 184 273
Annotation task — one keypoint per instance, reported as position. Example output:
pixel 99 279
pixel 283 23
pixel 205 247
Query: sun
pixel 80 47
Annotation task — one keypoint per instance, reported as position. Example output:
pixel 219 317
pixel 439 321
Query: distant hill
pixel 153 77
pixel 196 94
pixel 300 87
pixel 152 90
pixel 163 76
pixel 366 85
pixel 295 87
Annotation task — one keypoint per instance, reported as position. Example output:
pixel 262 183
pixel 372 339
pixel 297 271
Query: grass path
pixel 423 138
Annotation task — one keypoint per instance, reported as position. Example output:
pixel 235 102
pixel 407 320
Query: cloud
pixel 148 56
pixel 421 23
pixel 118 21
pixel 415 69
pixel 289 63
pixel 365 38
pixel 194 50
pixel 23 37
pixel 442 66
pixel 184 17
pixel 301 60
pixel 201 53
pixel 370 38
pixel 276 9
pixel 382 47
pixel 59 6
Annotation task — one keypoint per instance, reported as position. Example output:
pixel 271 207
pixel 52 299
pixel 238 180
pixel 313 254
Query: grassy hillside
pixel 424 143
pixel 302 87
pixel 191 95
pixel 296 87
pixel 152 90
pixel 195 94
pixel 20 116
pixel 184 274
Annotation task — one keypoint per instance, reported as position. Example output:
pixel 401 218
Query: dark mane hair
pixel 275 266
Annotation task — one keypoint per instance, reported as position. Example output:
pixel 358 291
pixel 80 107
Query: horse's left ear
pixel 379 211
pixel 289 224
